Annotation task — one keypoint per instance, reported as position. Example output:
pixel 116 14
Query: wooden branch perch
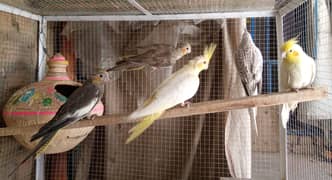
pixel 196 109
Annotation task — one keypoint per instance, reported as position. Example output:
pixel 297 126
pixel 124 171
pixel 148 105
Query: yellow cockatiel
pixel 297 70
pixel 179 87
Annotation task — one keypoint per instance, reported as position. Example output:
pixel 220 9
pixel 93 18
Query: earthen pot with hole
pixel 38 102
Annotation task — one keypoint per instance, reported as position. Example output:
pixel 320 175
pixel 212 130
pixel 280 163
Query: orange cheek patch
pixel 296 53
pixel 200 65
pixel 183 50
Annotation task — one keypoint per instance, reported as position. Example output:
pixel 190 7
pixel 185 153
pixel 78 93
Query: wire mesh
pixel 165 149
pixel 309 128
pixel 180 148
pixel 18 64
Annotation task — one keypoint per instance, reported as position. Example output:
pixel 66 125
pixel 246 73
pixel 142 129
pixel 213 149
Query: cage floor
pixel 314 169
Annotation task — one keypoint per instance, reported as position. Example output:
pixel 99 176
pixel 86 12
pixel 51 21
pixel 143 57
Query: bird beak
pixel 283 55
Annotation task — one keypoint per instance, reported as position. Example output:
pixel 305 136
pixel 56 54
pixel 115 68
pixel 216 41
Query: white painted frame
pixel 19 12
pixel 267 13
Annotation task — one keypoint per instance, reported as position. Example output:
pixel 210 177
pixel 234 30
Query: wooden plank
pixel 197 109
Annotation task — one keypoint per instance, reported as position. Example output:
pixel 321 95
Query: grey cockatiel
pixel 78 106
pixel 155 56
pixel 249 64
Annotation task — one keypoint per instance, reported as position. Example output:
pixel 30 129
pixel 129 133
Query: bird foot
pixel 186 104
pixel 295 89
pixel 311 86
pixel 91 117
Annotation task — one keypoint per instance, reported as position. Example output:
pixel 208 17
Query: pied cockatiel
pixel 249 64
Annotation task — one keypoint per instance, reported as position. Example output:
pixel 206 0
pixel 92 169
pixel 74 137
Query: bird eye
pixel 100 75
pixel 290 50
pixel 204 62
pixel 187 49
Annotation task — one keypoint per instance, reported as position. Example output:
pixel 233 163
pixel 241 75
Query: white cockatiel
pixel 297 70
pixel 249 64
pixel 176 89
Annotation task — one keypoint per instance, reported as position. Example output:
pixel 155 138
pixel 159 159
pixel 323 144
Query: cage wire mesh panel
pixel 191 147
pixel 266 144
pixel 309 129
pixel 18 65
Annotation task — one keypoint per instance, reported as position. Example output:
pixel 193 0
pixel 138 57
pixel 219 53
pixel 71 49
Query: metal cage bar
pixel 269 13
pixel 282 130
pixel 19 12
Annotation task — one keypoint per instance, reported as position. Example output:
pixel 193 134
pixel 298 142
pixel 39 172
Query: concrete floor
pixel 300 167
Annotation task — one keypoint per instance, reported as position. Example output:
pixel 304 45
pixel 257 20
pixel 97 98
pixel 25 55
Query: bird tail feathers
pixel 286 109
pixel 142 126
pixel 127 66
pixel 41 147
pixel 253 115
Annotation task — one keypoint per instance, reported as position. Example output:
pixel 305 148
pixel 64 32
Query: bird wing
pixel 78 106
pixel 155 46
pixel 258 69
pixel 249 63
pixel 250 67
pixel 162 59
pixel 152 57
pixel 174 90
pixel 313 70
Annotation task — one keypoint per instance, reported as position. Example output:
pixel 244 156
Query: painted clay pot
pixel 38 102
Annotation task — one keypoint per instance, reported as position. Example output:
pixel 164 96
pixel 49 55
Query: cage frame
pixel 278 13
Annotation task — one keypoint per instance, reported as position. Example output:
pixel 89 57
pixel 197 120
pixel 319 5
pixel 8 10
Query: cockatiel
pixel 78 106
pixel 155 56
pixel 297 70
pixel 249 64
pixel 179 87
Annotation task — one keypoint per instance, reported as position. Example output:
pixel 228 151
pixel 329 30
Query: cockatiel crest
pixel 289 44
pixel 202 62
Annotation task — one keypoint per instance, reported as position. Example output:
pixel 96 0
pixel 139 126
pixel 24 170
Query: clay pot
pixel 38 102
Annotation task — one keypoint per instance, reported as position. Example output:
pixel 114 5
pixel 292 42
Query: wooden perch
pixel 196 109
